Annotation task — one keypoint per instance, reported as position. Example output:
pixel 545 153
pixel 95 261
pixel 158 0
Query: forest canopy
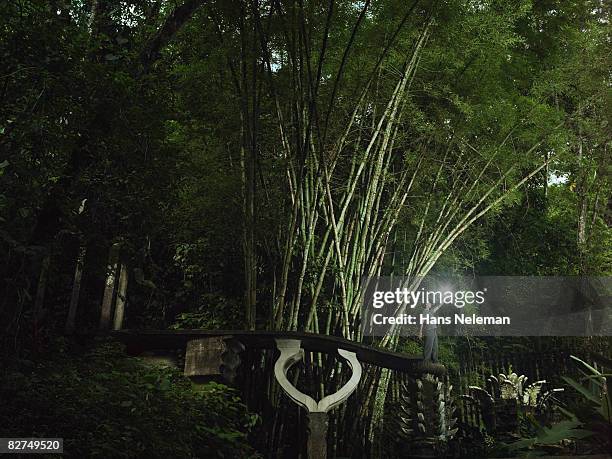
pixel 256 159
pixel 246 164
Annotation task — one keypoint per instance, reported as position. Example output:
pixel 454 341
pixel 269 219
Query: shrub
pixel 107 405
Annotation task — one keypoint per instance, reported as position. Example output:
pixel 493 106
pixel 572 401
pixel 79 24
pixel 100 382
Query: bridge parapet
pixel 218 354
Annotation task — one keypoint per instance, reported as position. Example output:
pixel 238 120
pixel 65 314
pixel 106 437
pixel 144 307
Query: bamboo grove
pixel 249 164
pixel 361 174
pixel 371 179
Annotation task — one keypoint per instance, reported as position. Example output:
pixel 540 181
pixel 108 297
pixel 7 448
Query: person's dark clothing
pixel 430 347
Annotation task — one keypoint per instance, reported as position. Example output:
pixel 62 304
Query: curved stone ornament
pixel 291 353
pixel 331 401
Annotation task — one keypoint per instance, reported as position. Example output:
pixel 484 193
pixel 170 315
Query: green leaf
pixel 562 431
pixel 569 414
pixel 583 390
pixel 592 369
pixel 165 385
pixel 522 444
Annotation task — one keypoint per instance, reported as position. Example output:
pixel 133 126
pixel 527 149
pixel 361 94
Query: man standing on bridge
pixel 430 346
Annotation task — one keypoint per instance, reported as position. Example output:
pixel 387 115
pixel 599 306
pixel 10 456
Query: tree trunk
pixel 40 295
pixel 109 290
pixel 76 290
pixel 121 298
pixel 248 155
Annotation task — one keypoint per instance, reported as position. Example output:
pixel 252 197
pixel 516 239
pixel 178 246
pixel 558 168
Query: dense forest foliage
pixel 246 163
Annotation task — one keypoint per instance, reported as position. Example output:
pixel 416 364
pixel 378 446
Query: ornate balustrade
pixel 248 359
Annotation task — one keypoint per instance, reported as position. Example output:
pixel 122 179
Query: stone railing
pixel 206 355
